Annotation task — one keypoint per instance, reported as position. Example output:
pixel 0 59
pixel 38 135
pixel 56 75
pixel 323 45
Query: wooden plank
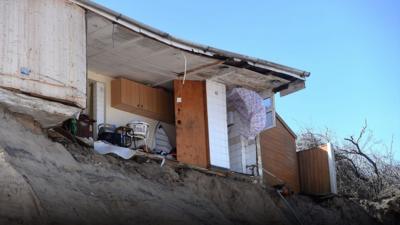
pixel 314 171
pixel 50 62
pixel 191 123
pixel 278 153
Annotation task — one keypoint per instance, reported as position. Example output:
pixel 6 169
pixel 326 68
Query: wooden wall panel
pixel 191 123
pixel 314 171
pixel 43 49
pixel 279 159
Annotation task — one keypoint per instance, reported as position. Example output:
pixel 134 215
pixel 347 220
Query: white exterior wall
pixel 235 156
pixel 332 168
pixel 235 145
pixel 43 49
pixel 217 124
pixel 242 152
pixel 250 156
pixel 99 104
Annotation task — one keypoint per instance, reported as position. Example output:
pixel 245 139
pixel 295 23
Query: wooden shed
pixel 317 170
pixel 278 155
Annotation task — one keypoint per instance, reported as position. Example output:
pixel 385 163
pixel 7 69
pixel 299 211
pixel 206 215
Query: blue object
pixel 25 71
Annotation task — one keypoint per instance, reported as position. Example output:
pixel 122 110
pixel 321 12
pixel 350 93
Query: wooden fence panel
pixel 314 172
pixel 279 159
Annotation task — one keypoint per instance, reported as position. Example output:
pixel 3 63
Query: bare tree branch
pixel 354 167
pixel 363 171
pixel 361 153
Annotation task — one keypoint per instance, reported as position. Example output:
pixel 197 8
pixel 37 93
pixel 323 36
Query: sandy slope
pixel 41 182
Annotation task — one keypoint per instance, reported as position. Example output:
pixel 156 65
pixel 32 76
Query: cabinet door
pixel 139 99
pixel 163 105
pixel 148 99
pixel 159 101
pixel 124 94
pixel 166 106
pixel 131 93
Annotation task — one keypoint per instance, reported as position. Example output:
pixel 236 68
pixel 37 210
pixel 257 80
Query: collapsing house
pixel 61 57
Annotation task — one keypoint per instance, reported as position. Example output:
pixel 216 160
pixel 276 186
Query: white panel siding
pixel 217 124
pixel 250 157
pixel 332 168
pixel 43 49
pixel 242 152
pixel 99 104
pixel 235 146
pixel 235 156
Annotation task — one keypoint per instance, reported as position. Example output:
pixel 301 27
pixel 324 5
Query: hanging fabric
pixel 249 108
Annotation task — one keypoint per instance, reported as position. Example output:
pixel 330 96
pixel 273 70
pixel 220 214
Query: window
pixel 269 104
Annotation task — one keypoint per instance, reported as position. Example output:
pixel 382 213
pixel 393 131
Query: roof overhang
pixel 120 46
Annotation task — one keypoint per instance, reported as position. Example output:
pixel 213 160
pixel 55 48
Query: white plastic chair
pixel 140 131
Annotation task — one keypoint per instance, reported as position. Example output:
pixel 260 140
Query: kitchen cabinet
pixel 140 99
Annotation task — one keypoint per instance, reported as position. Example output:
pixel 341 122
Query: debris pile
pixel 386 208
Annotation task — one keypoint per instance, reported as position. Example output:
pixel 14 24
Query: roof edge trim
pixel 286 125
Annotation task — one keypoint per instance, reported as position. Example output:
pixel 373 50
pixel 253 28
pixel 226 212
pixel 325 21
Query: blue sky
pixel 351 48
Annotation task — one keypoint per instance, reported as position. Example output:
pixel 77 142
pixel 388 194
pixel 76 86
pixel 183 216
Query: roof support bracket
pixel 293 87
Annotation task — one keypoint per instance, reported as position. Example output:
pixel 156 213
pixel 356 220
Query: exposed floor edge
pixel 47 113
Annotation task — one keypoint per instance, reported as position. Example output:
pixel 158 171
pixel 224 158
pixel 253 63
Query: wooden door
pixel 191 123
